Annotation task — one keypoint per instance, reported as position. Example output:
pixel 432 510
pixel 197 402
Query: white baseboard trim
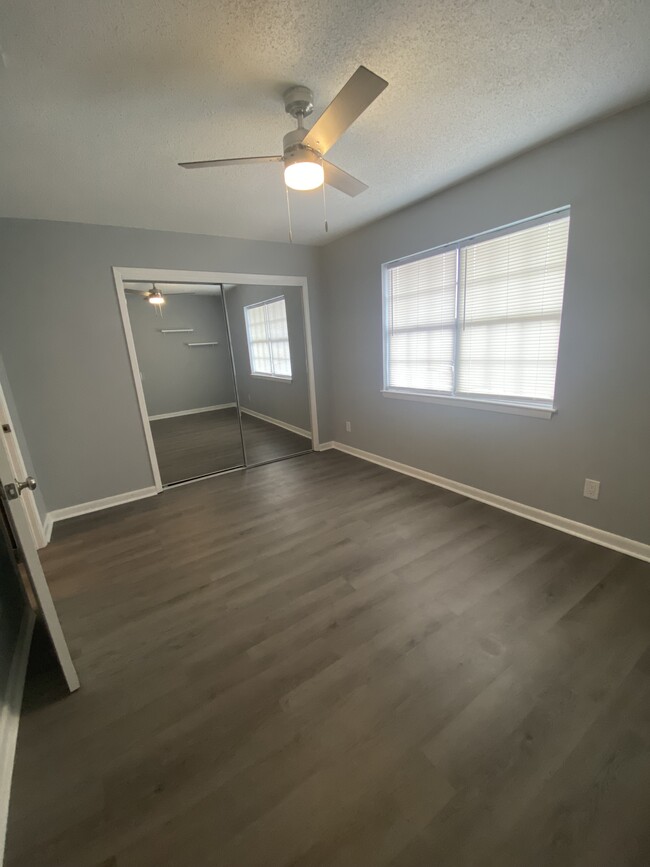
pixel 325 447
pixel 48 523
pixel 192 411
pixel 276 421
pixel 98 505
pixel 10 718
pixel 636 549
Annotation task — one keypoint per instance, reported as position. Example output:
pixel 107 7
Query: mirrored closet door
pixel 224 374
pixel 181 340
pixel 267 333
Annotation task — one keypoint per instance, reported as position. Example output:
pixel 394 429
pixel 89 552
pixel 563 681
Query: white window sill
pixel 474 403
pixel 272 378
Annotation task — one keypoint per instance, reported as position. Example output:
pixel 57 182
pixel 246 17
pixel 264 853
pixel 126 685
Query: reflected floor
pixel 267 442
pixel 194 445
pixel 189 446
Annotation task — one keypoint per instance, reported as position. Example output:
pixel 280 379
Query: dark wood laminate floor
pixel 321 662
pixel 267 442
pixel 198 444
pixel 188 446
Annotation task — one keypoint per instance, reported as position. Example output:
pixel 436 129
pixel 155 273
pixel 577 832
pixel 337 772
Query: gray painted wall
pixel 285 401
pixel 20 437
pixel 602 428
pixel 64 347
pixel 176 377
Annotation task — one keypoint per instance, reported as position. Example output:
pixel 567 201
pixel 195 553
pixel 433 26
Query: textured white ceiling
pixel 99 99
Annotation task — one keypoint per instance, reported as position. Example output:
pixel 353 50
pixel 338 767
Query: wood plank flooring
pixel 189 446
pixel 268 442
pixel 321 662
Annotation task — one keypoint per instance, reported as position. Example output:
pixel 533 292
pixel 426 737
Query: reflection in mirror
pixel 267 331
pixel 188 381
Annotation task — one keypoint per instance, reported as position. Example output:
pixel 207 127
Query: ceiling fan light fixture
pixel 155 297
pixel 303 170
pixel 303 149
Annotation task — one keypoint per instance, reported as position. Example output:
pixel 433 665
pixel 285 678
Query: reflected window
pixel 268 339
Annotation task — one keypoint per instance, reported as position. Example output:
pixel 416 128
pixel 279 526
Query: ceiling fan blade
pixel 206 164
pixel 352 100
pixel 336 177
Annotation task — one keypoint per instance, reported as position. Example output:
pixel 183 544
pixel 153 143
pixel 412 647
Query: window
pixel 479 320
pixel 268 339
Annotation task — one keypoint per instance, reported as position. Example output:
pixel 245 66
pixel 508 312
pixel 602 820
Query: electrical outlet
pixel 591 489
pixel 348 426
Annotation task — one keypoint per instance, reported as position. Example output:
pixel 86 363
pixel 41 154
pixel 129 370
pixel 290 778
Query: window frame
pixel 494 403
pixel 275 377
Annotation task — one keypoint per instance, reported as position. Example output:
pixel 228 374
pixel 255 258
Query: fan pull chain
pixel 286 190
pixel 324 200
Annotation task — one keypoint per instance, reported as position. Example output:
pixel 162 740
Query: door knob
pixel 15 489
pixel 29 482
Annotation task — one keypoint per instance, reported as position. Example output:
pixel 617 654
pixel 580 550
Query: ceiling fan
pixel 304 149
pixel 152 294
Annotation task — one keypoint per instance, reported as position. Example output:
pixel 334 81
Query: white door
pixel 11 492
pixel 20 472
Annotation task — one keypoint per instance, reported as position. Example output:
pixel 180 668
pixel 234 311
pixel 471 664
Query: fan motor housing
pixel 293 138
pixel 300 153
pixel 295 151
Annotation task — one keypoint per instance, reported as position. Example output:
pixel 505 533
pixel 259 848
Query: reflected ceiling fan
pixel 304 149
pixel 148 291
pixel 155 293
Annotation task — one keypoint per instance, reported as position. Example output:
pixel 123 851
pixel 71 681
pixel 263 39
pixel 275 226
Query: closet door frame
pixel 163 275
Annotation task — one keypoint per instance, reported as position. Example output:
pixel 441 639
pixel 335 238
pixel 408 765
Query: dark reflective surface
pixel 268 341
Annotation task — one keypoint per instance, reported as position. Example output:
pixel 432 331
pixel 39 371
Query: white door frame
pixel 164 275
pixel 19 469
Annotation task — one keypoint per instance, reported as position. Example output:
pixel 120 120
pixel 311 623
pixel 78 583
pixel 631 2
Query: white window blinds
pixel 421 314
pixel 480 319
pixel 510 311
pixel 268 338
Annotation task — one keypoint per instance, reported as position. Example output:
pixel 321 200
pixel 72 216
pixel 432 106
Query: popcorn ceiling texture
pixel 100 100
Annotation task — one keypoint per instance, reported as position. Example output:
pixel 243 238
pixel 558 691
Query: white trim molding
pixel 276 421
pixel 473 403
pixel 48 523
pixel 10 718
pixel 192 411
pixel 270 378
pixel 325 447
pixel 99 505
pixel 640 550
